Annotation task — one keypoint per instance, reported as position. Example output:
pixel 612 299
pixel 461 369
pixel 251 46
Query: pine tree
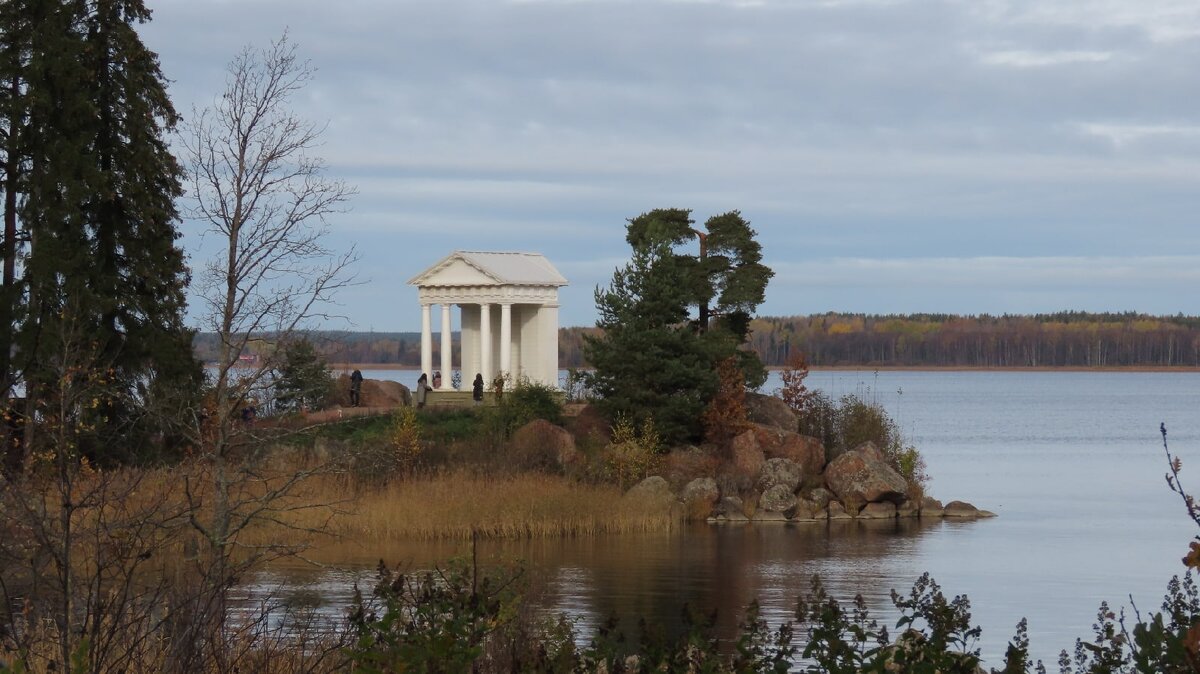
pixel 302 379
pixel 648 362
pixel 671 315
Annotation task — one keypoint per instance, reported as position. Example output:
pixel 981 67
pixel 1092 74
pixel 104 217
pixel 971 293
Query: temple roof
pixel 473 268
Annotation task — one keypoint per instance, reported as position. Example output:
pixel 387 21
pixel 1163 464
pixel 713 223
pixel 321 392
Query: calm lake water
pixel 1072 463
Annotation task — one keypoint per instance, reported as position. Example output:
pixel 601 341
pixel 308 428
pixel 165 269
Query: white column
pixel 505 338
pixel 468 344
pixel 485 340
pixel 548 343
pixel 446 347
pixel 426 341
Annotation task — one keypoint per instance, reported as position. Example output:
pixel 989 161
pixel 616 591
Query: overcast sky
pixel 894 156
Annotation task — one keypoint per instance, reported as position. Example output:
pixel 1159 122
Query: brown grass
pixel 455 505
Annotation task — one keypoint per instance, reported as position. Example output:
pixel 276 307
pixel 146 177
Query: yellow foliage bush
pixel 633 452
pixel 405 436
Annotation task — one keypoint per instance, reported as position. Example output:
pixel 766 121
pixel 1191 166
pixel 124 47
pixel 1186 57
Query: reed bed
pixel 457 505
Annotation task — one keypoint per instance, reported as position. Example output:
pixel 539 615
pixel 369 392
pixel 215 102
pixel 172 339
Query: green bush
pixel 434 622
pixel 515 407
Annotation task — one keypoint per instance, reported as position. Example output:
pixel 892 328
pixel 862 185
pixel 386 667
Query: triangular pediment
pixel 474 268
pixel 454 271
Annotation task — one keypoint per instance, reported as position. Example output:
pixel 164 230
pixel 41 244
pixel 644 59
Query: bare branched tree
pixel 82 548
pixel 262 193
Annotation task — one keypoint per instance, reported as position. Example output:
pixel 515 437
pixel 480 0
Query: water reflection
pixel 709 568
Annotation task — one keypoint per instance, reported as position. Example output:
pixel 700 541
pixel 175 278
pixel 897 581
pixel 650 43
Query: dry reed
pixel 455 505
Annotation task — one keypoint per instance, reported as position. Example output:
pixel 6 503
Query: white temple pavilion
pixel 508 304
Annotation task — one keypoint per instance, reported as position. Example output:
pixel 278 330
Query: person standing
pixel 422 390
pixel 356 380
pixel 477 389
pixel 437 379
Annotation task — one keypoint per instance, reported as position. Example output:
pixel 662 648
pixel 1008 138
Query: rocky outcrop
pixel 541 445
pixel 820 495
pixel 778 499
pixel 775 443
pixel 878 511
pixel 808 453
pixel 731 509
pixel 838 512
pixel 684 464
pixel 700 497
pixel 861 476
pixel 770 411
pixel 747 456
pixel 775 472
pixel 809 509
pixel 374 393
pixel 931 507
pixel 962 509
pixel 654 493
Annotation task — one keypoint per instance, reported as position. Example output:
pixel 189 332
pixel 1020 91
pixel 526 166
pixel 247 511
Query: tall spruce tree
pixel 16 31
pixel 681 306
pixel 102 274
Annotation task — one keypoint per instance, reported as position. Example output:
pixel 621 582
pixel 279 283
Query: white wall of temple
pixel 532 349
pixel 548 322
pixel 470 343
pixel 527 328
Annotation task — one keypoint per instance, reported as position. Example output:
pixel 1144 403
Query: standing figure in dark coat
pixel 355 388
pixel 422 390
pixel 477 389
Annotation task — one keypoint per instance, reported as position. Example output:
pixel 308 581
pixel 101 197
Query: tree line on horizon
pixel 1063 339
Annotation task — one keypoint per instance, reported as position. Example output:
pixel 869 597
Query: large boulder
pixel 964 509
pixel 807 452
pixel 777 443
pixel 778 499
pixel 654 492
pixel 837 511
pixel 861 476
pixel 809 509
pixel 779 472
pixel 700 497
pixel 747 455
pixel 374 393
pixel 683 464
pixel 731 509
pixel 820 495
pixel 931 507
pixel 541 445
pixel 770 411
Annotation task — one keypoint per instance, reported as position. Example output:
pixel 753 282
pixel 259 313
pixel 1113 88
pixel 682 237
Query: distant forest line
pixel 1065 339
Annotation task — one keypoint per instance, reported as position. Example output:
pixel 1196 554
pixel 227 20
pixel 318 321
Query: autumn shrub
pixel 725 415
pixel 819 420
pixel 794 393
pixel 405 437
pixel 633 453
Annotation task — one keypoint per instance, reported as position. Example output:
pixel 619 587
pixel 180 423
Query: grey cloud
pixel 842 129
